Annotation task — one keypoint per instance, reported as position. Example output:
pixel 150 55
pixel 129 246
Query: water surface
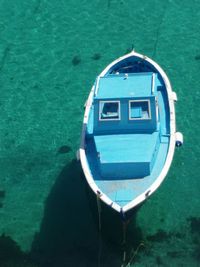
pixel 50 54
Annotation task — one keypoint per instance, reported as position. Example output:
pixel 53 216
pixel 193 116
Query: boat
pixel 129 132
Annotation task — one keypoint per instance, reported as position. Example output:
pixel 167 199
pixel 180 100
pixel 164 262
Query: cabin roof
pixel 135 85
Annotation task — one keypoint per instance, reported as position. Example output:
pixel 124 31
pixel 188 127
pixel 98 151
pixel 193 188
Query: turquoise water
pixel 50 54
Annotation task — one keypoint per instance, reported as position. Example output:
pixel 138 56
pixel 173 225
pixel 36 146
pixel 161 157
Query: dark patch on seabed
pixel 76 60
pixel 197 57
pixel 160 236
pixel 2 193
pixel 96 56
pixel 159 261
pixel 195 231
pixel 195 225
pixel 2 196
pixel 4 57
pixel 64 149
pixel 175 254
pixel 11 254
pixel 37 6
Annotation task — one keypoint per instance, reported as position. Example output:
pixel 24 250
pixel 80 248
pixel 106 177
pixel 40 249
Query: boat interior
pixel 127 135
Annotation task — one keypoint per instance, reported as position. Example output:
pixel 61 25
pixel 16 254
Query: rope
pixel 100 250
pixel 124 259
pixel 125 223
pixel 124 228
pixel 124 232
pixel 134 254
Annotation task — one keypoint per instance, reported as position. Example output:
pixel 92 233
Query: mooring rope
pixel 134 254
pixel 124 229
pixel 100 250
pixel 125 223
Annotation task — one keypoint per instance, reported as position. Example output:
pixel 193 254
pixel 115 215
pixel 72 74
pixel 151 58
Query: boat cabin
pixel 124 124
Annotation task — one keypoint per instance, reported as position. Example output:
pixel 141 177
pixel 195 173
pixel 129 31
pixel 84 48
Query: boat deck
pixel 130 155
pixel 123 190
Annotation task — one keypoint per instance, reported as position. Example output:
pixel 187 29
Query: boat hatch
pixel 125 115
pixel 109 110
pixel 139 110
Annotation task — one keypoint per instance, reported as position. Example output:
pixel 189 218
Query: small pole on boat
pixel 99 208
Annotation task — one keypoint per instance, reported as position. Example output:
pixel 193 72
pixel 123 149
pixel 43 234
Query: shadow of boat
pixel 69 234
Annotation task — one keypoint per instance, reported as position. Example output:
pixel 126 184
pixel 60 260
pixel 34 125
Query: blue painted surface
pixel 136 112
pixel 118 86
pixel 90 125
pixel 132 64
pixel 124 125
pixel 132 147
pixel 131 187
pixel 126 156
pixel 139 110
pixel 163 111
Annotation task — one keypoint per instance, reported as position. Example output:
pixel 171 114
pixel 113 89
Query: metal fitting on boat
pixel 174 96
pixel 99 193
pixel 147 193
pixel 123 215
pixel 179 139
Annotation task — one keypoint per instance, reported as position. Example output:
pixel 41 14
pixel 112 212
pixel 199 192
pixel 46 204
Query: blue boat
pixel 129 132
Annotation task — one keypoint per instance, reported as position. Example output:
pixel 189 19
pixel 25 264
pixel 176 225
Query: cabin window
pixel 139 110
pixel 109 110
